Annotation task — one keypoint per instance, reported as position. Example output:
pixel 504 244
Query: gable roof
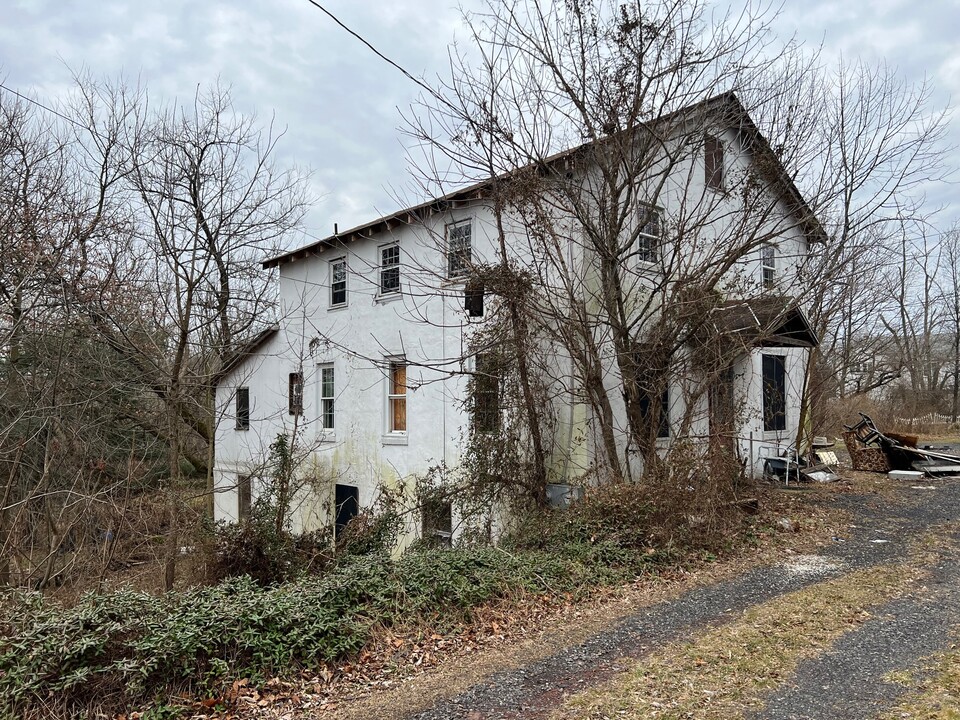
pixel 245 351
pixel 764 322
pixel 727 103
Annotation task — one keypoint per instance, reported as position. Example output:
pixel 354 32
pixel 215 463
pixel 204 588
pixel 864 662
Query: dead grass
pixel 935 690
pixel 726 672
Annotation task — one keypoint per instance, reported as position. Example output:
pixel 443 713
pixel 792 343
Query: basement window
pixel 437 528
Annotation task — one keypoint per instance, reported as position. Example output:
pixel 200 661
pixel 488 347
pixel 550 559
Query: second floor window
pixel 459 238
pixel 295 393
pixel 327 399
pixel 243 408
pixel 648 240
pixel 397 397
pixel 338 282
pixel 389 269
pixel 768 266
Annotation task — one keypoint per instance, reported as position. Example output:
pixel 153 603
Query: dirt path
pixel 856 670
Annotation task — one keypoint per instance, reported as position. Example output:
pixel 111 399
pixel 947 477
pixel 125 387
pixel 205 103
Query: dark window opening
pixel 486 394
pixel 295 393
pixel 244 496
pixel 774 393
pixel 437 523
pixel 713 162
pixel 662 410
pixel 243 408
pixel 346 500
pixel 473 300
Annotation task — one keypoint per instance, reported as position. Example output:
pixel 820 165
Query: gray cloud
pixel 338 101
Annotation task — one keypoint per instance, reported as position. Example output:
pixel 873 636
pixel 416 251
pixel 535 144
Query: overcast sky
pixel 339 102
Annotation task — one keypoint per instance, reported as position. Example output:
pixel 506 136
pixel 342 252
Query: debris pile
pixel 875 451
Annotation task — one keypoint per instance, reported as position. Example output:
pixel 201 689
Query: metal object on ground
pixel 899 451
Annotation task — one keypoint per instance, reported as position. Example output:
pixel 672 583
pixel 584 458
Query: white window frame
pixel 323 399
pixel 331 266
pixel 464 269
pixel 384 268
pixel 768 267
pixel 391 434
pixel 643 234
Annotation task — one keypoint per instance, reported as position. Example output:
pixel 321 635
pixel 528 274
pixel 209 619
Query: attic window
pixel 768 266
pixel 713 162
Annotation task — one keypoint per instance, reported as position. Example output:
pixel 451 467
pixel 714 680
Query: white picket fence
pixel 924 420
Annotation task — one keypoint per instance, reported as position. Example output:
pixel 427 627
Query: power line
pixel 47 108
pixel 372 48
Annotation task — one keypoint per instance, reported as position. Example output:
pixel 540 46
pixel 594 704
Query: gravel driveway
pixel 847 681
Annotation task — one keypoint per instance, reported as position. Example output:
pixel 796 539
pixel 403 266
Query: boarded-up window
pixel 713 162
pixel 244 497
pixel 397 398
pixel 295 393
pixel 774 393
pixel 243 408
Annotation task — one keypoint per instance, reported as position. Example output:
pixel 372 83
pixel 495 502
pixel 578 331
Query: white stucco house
pixel 369 361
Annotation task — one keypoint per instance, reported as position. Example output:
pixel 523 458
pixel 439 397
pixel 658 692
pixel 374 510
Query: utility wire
pixel 376 52
pixel 47 108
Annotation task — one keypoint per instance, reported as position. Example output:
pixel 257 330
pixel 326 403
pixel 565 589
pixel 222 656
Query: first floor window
pixel 662 410
pixel 346 500
pixel 389 269
pixel 768 266
pixel 397 397
pixel 338 282
pixel 774 392
pixel 295 393
pixel 327 397
pixel 437 528
pixel 244 497
pixel 473 300
pixel 243 408
pixel 459 239
pixel 486 394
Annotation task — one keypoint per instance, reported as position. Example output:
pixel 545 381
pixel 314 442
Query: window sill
pixel 334 308
pixel 388 297
pixel 327 436
pixel 243 429
pixel 394 439
pixel 449 282
pixel 774 435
